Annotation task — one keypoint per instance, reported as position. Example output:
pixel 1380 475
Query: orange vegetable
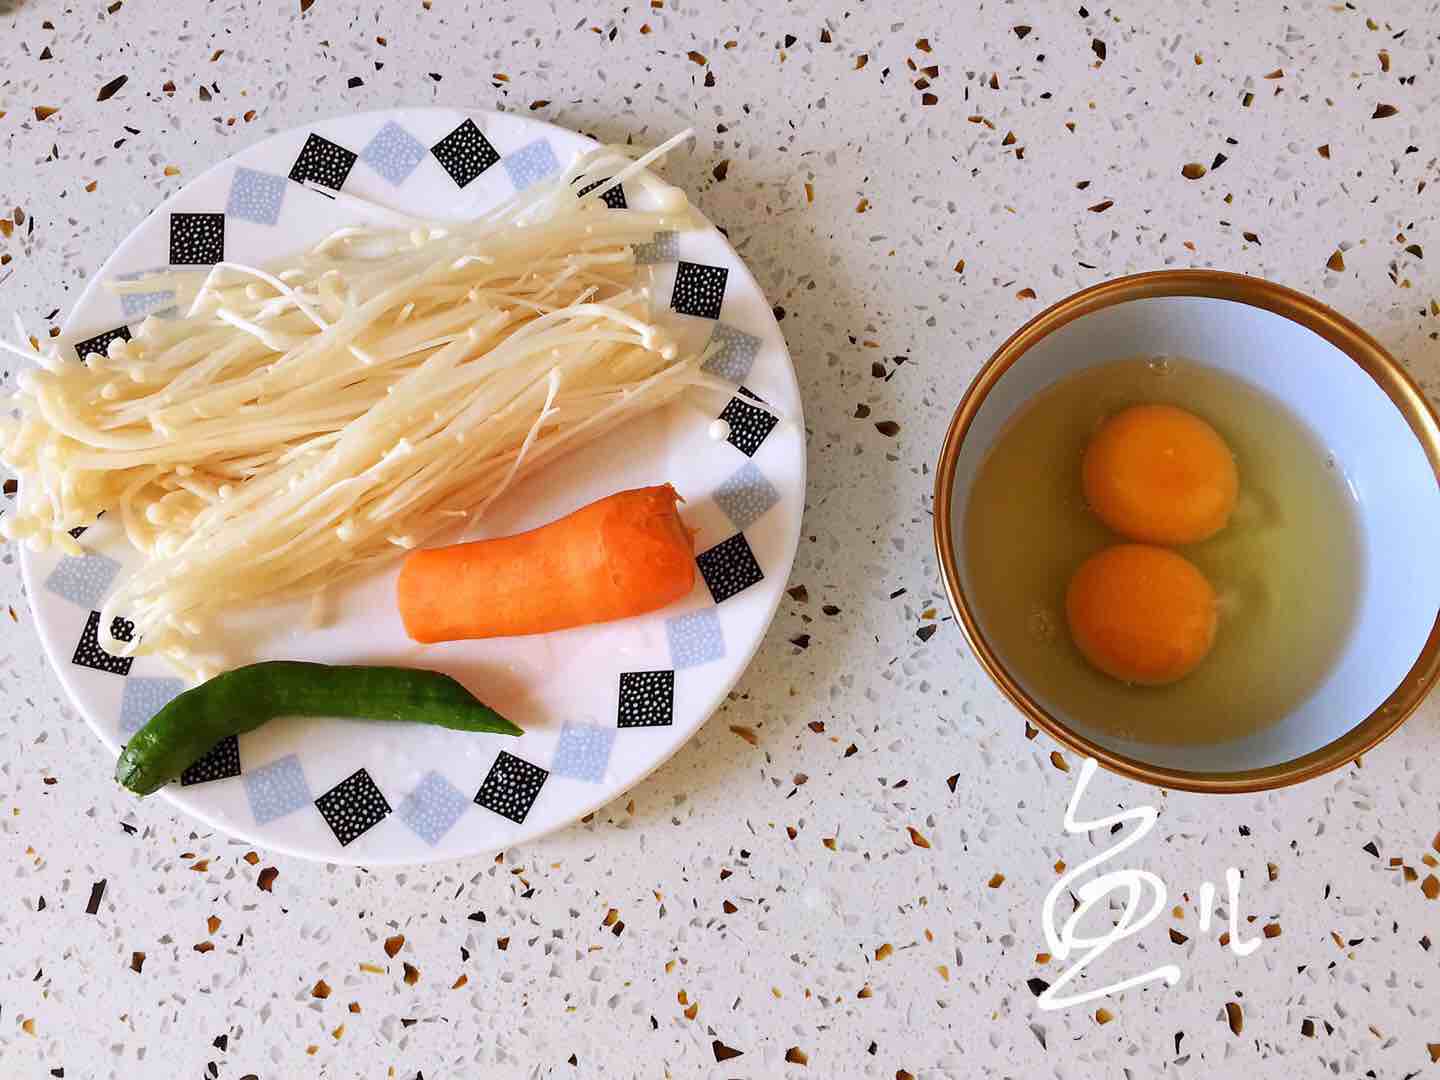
pixel 623 555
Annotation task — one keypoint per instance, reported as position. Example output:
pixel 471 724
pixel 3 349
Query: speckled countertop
pixel 851 883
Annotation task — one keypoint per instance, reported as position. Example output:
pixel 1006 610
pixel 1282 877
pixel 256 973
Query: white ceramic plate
pixel 601 706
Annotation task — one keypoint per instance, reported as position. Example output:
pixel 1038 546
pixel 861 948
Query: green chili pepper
pixel 243 699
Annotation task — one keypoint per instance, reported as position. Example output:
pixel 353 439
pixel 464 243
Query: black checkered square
pixel 729 568
pixel 220 762
pixel 614 198
pixel 80 530
pixel 511 786
pixel 699 289
pixel 88 652
pixel 749 426
pixel 352 806
pixel 465 153
pixel 100 343
pixel 647 699
pixel 197 239
pixel 322 162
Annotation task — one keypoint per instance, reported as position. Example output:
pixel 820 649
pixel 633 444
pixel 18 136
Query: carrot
pixel 623 555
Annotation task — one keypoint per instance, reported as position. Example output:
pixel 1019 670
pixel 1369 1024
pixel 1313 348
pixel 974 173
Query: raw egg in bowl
pixel 1186 519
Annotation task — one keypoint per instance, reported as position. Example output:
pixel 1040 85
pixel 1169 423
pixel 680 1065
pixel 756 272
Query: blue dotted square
pixel 664 248
pixel 583 752
pixel 138 304
pixel 393 153
pixel 256 196
pixel 733 354
pixel 695 638
pixel 746 496
pixel 530 163
pixel 277 789
pixel 432 809
pixel 83 579
pixel 143 698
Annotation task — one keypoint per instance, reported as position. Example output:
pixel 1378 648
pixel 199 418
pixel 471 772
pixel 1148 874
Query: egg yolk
pixel 1159 474
pixel 1141 614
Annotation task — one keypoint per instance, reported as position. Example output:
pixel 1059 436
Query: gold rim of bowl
pixel 1364 350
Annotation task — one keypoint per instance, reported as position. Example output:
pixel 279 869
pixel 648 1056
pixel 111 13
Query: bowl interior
pixel 1398 497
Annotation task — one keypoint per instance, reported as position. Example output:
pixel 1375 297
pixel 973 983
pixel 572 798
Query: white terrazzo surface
pixel 748 894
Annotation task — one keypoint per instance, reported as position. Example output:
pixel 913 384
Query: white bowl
pixel 1351 393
